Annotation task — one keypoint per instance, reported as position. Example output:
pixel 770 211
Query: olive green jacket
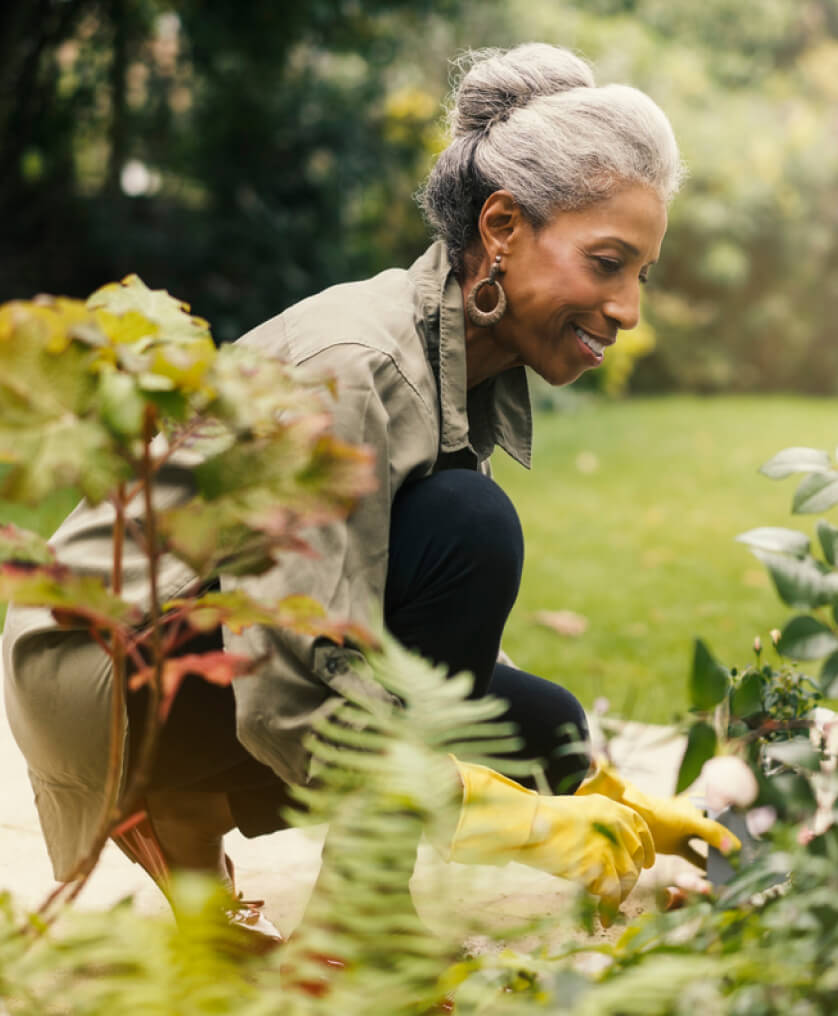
pixel 396 345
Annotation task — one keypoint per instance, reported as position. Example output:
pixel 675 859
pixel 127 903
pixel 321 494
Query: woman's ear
pixel 500 217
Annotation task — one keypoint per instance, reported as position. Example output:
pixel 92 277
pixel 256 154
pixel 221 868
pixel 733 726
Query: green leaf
pixel 257 497
pixel 299 467
pixel 152 336
pixel 131 297
pixel 828 536
pixel 65 452
pixel 795 460
pixel 816 493
pixel 75 599
pixel 121 405
pixel 747 696
pixel 701 746
pixel 708 681
pixel 211 538
pixel 22 545
pixel 238 610
pixel 254 392
pixel 171 405
pixel 799 583
pixel 775 538
pixel 39 383
pixel 829 676
pixel 806 638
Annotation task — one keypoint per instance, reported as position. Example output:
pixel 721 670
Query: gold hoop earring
pixel 487 318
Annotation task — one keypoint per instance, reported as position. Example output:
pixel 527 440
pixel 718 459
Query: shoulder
pixel 379 313
pixel 369 335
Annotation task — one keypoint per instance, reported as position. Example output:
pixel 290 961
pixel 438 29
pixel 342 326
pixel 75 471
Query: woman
pixel 550 209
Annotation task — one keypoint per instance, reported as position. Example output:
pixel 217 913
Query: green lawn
pixel 630 514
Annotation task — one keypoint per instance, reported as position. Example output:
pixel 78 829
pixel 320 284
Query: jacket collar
pixel 497 411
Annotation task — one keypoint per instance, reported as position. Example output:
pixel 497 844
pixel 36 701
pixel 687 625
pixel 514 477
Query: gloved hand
pixel 672 821
pixel 591 840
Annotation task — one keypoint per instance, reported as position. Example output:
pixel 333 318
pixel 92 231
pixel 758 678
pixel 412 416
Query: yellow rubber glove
pixel 592 840
pixel 672 821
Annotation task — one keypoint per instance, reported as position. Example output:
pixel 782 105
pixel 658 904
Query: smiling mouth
pixel 596 346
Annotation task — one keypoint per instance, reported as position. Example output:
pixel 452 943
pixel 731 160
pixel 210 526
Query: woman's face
pixel 574 283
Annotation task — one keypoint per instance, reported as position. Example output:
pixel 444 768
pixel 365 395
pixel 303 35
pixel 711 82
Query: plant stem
pixel 117 733
pixel 142 774
pixel 172 445
pixel 114 810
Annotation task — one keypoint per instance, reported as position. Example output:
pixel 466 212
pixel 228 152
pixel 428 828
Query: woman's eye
pixel 609 265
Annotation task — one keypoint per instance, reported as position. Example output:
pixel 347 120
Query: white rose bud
pixel 728 782
pixel 757 644
pixel 759 820
pixel 775 634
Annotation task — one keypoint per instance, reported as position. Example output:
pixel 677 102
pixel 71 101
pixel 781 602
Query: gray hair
pixel 531 120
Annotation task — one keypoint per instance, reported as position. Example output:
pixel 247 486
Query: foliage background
pixel 246 155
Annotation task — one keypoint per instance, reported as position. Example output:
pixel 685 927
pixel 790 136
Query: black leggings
pixel 456 554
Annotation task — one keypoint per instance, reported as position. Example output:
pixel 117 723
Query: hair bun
pixel 497 81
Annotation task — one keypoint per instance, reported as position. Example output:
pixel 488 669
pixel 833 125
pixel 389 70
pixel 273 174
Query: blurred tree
pixel 235 153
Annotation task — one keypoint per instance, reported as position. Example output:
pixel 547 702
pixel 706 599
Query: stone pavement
pixel 281 868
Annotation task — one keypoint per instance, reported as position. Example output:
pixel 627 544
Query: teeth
pixel 593 344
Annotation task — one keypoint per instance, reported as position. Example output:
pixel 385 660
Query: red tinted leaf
pixel 217 667
pixel 280 524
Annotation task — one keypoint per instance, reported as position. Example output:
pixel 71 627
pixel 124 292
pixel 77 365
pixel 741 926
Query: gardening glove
pixel 672 821
pixel 590 840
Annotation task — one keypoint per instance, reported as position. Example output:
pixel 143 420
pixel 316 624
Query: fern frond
pixel 383 778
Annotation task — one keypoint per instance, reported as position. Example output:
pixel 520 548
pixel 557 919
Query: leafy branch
pixel 106 395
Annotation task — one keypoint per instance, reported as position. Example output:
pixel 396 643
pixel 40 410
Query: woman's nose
pixel 623 305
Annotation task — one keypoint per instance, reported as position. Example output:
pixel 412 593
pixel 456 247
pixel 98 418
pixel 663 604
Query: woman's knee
pixel 489 522
pixel 467 515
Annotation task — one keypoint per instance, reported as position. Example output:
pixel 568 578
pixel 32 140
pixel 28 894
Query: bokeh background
pixel 246 153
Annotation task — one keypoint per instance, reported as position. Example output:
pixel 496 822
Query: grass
pixel 630 514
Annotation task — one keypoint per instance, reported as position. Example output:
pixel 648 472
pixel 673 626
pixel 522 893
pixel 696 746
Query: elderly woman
pixel 550 208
